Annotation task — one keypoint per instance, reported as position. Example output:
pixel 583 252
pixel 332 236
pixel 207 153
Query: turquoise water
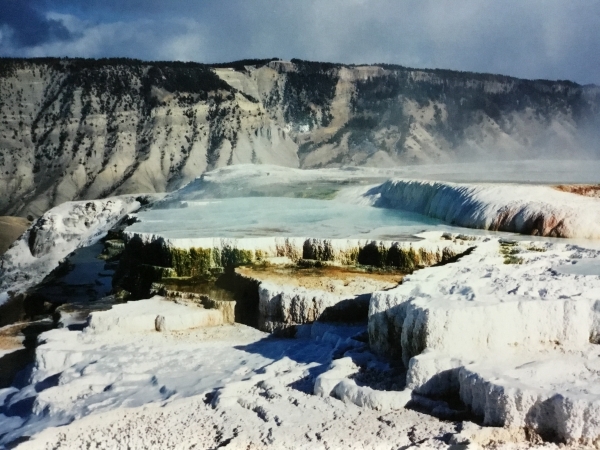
pixel 289 217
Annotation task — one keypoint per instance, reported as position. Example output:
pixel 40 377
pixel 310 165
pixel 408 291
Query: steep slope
pixel 10 229
pixel 84 129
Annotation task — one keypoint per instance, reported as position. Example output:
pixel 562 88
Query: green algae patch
pixel 197 262
pixel 407 259
pixel 141 279
pixel 113 249
pixel 156 273
pixel 234 257
pixel 348 257
pixel 376 254
pixel 402 258
pixel 509 249
pixel 260 256
pixel 289 250
pixel 534 248
pixel 318 250
pixel 203 262
pixel 191 263
pixel 323 250
pixel 145 264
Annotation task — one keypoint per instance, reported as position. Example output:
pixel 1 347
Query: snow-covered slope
pixel 525 209
pixel 56 234
pixel 235 379
pixel 505 329
pixel 216 387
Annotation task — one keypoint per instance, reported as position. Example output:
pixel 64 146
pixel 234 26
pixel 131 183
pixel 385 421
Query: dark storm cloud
pixel 532 39
pixel 28 25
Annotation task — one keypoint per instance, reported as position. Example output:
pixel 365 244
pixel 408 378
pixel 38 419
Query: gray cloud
pixel 25 24
pixel 533 39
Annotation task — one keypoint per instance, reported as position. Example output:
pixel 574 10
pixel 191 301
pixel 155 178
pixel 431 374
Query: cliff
pixel 73 129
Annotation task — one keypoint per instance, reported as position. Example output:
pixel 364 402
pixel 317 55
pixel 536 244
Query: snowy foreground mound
pixel 227 386
pixel 507 330
pixel 525 209
pixel 506 327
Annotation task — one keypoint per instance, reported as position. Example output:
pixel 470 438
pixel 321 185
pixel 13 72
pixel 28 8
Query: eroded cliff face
pixel 84 129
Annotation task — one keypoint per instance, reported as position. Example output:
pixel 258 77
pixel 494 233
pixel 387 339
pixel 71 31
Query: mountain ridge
pixel 84 129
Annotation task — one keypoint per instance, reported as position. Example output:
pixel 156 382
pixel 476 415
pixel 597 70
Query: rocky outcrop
pixel 515 338
pixel 283 307
pixel 149 259
pixel 524 209
pixel 55 235
pixel 226 307
pixel 554 394
pixel 86 129
pixel 204 256
pixel 155 314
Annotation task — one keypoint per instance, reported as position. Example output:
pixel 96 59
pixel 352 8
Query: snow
pixel 511 327
pixel 336 382
pixel 508 337
pixel 155 313
pixel 526 209
pixel 337 371
pixel 230 386
pixel 206 386
pixel 280 393
pixel 555 392
pixel 349 392
pixel 55 235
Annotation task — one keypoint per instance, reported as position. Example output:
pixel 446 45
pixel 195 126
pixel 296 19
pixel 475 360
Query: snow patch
pixel 526 209
pixel 55 235
pixel 152 314
pixel 508 336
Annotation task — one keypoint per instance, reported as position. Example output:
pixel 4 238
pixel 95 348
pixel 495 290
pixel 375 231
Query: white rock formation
pixel 336 381
pixel 56 234
pixel 284 307
pixel 526 209
pixel 337 371
pixel 555 393
pixel 507 333
pixel 155 313
pixel 227 386
pixel 349 392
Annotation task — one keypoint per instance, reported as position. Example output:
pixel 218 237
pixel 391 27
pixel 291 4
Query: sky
pixel 550 39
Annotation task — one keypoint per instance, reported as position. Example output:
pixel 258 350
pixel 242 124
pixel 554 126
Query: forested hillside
pixel 82 129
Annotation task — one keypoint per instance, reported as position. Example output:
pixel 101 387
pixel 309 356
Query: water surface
pixel 285 217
